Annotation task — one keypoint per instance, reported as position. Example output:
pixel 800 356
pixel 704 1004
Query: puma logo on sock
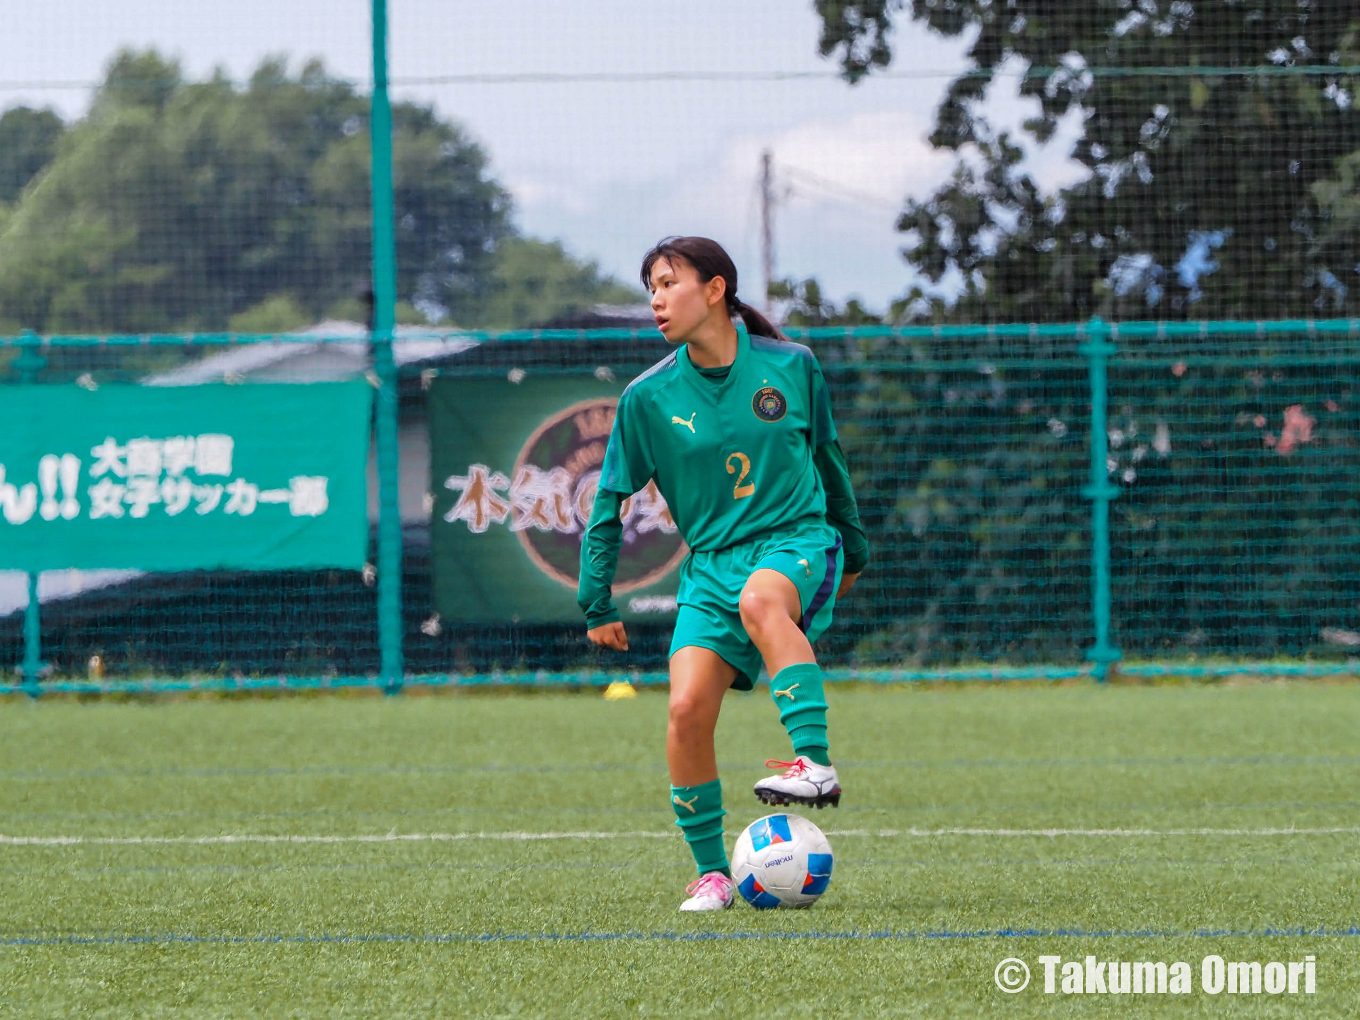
pixel 675 798
pixel 787 692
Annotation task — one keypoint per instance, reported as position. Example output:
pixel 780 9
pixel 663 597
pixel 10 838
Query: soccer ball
pixel 781 861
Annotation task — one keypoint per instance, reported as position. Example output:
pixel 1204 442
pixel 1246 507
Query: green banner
pixel 515 463
pixel 164 478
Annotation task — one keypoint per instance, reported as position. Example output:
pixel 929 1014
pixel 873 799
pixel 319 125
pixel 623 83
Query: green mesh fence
pixel 980 533
pixel 1233 534
pixel 1236 531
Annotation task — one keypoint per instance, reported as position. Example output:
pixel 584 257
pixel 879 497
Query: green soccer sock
pixel 797 690
pixel 699 813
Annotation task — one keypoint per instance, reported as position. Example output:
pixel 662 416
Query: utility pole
pixel 767 221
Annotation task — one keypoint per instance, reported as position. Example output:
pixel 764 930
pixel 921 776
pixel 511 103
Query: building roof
pixel 336 350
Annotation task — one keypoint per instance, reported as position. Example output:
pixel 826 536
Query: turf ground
pixel 553 888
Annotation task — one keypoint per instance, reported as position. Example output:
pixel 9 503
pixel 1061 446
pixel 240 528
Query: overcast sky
pixel 606 166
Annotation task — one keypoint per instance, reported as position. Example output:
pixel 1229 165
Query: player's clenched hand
pixel 611 635
pixel 847 582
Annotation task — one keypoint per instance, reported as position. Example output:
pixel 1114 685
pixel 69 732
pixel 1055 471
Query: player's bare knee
pixel 758 610
pixel 690 719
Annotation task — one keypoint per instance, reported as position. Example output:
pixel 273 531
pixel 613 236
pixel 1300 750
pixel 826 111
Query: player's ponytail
pixel 709 260
pixel 756 324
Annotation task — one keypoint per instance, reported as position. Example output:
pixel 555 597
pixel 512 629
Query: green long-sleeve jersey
pixel 734 457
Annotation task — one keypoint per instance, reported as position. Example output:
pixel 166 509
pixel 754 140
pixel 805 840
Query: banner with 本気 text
pixel 515 463
pixel 249 477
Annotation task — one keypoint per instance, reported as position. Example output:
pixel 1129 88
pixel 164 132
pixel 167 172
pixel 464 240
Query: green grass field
pixel 1189 785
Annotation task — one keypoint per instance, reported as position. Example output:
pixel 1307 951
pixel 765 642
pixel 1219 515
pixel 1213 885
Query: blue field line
pixel 171 938
pixel 445 768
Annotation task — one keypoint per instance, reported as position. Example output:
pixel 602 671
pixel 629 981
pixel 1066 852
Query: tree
pixel 806 306
pixel 28 141
pixel 175 205
pixel 536 281
pixel 1209 194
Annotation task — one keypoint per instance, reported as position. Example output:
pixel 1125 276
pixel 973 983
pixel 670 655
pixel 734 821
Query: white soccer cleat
pixel 803 782
pixel 710 891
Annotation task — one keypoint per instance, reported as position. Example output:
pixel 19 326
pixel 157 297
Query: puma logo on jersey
pixel 807 568
pixel 677 420
pixel 675 797
pixel 787 692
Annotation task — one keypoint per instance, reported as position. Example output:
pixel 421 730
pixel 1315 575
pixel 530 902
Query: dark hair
pixel 709 260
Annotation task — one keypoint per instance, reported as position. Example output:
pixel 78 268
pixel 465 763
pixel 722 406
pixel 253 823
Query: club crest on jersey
pixel 769 404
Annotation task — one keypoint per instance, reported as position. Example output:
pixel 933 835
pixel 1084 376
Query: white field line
pixel 452 837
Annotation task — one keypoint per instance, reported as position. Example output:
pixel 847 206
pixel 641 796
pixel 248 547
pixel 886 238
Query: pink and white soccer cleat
pixel 803 782
pixel 710 891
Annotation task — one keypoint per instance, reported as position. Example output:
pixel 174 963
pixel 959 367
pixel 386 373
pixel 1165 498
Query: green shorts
pixel 809 555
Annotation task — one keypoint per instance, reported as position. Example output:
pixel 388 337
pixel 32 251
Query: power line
pixel 837 190
pixel 915 74
pixel 1257 70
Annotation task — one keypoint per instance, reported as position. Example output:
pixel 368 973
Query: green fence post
pixel 32 638
pixel 1100 491
pixel 28 364
pixel 384 323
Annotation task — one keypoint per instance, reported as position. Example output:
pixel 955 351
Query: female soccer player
pixel 736 429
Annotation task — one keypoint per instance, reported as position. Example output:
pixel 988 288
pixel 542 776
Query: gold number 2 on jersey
pixel 740 491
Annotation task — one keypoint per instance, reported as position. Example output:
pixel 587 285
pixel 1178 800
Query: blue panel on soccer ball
pixel 769 831
pixel 819 874
pixel 756 896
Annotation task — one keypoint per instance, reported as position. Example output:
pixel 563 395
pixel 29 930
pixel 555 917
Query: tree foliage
pixel 533 282
pixel 177 205
pixel 1219 193
pixel 28 141
pixel 805 305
